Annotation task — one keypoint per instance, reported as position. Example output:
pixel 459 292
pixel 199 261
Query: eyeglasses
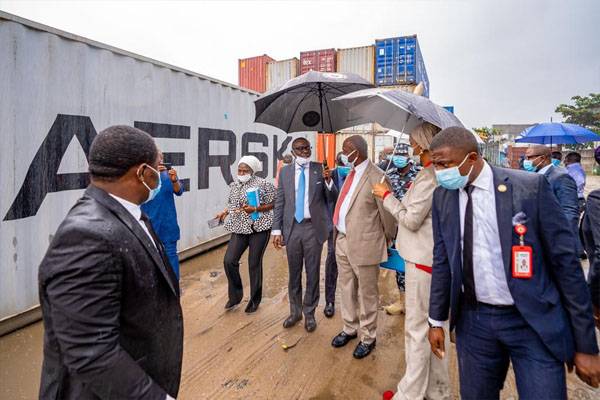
pixel 533 156
pixel 303 148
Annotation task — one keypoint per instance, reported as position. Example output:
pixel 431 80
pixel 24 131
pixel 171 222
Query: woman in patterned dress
pixel 247 232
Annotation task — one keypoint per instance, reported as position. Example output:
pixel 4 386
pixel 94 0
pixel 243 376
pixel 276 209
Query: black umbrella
pixel 304 103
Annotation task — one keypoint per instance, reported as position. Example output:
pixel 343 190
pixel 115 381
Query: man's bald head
pixel 359 144
pixel 540 150
pixel 539 155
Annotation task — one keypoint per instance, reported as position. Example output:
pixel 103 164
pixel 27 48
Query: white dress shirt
pixel 491 286
pixel 359 171
pixel 298 169
pixel 135 211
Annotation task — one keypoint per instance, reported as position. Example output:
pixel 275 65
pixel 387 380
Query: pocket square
pixel 318 183
pixel 519 218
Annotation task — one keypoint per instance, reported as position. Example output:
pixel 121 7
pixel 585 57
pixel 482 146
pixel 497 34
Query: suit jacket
pixel 318 198
pixel 369 226
pixel 110 304
pixel 565 189
pixel 590 232
pixel 414 241
pixel 555 302
pixel 338 181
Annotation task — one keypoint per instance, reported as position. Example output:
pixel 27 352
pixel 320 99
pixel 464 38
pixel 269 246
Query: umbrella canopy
pixel 397 109
pixel 557 133
pixel 304 103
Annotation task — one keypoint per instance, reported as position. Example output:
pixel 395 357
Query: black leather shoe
pixel 310 324
pixel 329 310
pixel 251 307
pixel 363 349
pixel 231 305
pixel 342 339
pixel 291 321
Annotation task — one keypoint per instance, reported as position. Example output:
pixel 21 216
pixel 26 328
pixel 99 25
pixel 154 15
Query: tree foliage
pixel 486 134
pixel 585 111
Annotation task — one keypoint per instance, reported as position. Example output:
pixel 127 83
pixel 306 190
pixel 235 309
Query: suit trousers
pixel 257 242
pixel 487 338
pixel 426 376
pixel 303 249
pixel 331 270
pixel 360 293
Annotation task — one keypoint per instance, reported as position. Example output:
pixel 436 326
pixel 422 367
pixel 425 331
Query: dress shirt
pixel 491 286
pixel 546 168
pixel 578 174
pixel 359 171
pixel 136 213
pixel 298 168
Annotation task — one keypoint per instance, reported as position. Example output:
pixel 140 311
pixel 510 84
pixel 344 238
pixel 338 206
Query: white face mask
pixel 244 178
pixel 302 161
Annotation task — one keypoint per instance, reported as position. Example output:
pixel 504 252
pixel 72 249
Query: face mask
pixel 556 162
pixel 451 179
pixel 346 159
pixel 400 161
pixel 153 192
pixel 244 178
pixel 529 166
pixel 343 171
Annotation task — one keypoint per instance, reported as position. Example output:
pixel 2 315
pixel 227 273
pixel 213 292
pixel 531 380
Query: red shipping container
pixel 252 73
pixel 318 60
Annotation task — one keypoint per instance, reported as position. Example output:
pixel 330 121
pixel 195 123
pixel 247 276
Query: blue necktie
pixel 299 215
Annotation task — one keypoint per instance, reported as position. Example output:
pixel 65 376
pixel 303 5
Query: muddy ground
pixel 231 355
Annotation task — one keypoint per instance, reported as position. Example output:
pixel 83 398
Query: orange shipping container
pixel 326 148
pixel 252 73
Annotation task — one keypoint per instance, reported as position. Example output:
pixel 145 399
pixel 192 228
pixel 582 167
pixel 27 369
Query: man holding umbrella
pixel 302 223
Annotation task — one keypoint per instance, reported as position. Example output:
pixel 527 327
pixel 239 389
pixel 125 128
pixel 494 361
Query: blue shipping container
pixel 398 61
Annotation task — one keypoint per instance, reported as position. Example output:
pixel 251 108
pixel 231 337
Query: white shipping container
pixel 357 60
pixel 58 90
pixel 279 72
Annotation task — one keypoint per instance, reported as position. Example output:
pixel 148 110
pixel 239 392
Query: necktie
pixel 468 279
pixel 342 196
pixel 299 215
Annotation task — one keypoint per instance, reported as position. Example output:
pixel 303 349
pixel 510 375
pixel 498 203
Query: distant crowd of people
pixel 491 254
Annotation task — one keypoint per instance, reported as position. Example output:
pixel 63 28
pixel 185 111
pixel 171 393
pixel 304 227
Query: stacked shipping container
pixel 357 60
pixel 252 72
pixel 318 60
pixel 279 72
pixel 399 61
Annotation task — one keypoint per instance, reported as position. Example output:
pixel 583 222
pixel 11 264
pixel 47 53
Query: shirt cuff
pixel 276 232
pixel 169 398
pixel 437 324
pixel 329 184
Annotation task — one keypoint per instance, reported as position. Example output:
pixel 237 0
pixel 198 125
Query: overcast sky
pixel 496 61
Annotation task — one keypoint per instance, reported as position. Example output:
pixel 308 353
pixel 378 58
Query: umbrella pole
pixel 323 143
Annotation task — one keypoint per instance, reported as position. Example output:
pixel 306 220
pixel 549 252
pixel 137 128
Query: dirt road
pixel 231 355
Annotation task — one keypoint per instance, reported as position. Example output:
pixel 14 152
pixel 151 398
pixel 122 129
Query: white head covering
pixel 251 161
pixel 423 134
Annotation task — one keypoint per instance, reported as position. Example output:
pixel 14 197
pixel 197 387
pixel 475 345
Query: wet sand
pixel 231 355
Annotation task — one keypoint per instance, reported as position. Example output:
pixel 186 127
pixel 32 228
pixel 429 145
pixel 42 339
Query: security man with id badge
pixel 507 276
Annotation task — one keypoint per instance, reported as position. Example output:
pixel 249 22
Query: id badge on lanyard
pixel 522 256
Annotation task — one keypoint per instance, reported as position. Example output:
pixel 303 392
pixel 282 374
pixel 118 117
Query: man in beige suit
pixel 363 230
pixel 426 376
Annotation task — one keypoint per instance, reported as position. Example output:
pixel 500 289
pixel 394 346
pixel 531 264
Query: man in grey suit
pixel 302 223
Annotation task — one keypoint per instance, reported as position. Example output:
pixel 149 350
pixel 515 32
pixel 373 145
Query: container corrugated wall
pixel 357 60
pixel 58 90
pixel 279 72
pixel 400 61
pixel 252 73
pixel 318 60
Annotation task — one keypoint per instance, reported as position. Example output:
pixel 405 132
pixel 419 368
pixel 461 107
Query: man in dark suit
pixel 302 223
pixel 338 176
pixel 590 232
pixel 539 159
pixel 110 300
pixel 540 317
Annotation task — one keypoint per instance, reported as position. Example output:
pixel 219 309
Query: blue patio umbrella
pixel 557 133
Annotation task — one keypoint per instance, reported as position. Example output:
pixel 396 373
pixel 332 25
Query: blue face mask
pixel 153 192
pixel 346 159
pixel 400 161
pixel 529 166
pixel 343 171
pixel 451 179
pixel 556 162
